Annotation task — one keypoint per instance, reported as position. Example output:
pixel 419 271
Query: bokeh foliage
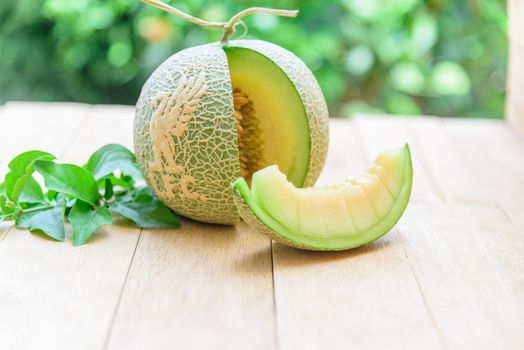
pixel 441 57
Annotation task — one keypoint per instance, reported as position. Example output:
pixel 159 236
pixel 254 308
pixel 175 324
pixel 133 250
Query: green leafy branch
pixel 88 197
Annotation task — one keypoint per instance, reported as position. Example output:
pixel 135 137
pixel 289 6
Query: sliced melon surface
pixel 273 126
pixel 335 217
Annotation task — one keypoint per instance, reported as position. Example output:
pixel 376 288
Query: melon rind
pixel 255 217
pixel 311 95
pixel 197 177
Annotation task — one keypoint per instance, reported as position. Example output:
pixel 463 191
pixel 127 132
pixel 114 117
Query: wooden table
pixel 450 275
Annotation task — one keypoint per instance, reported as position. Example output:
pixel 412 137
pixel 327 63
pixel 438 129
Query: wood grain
pixel 54 295
pixel 496 155
pixel 201 287
pixel 365 298
pixel 4 226
pixel 450 275
pixel 472 282
pixel 467 255
pixel 453 174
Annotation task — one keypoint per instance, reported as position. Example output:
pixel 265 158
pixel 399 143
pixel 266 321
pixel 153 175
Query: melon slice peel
pixel 335 217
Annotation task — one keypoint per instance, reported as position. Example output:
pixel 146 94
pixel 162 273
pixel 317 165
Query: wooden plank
pixel 345 154
pixel 108 124
pixel 368 297
pixel 466 255
pixel 469 264
pixel 514 102
pixel 496 153
pixel 47 126
pixel 3 126
pixel 201 286
pixel 4 226
pixel 454 174
pixel 54 295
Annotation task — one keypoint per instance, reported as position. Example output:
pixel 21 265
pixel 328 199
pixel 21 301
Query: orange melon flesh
pixel 335 217
pixel 284 137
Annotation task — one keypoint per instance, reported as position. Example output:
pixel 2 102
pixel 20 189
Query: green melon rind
pixel 210 139
pixel 314 103
pixel 257 218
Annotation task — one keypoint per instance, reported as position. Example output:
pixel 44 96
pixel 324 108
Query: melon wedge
pixel 265 136
pixel 335 217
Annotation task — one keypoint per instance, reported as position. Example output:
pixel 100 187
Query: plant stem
pixel 229 26
pixel 30 210
pixel 174 11
pixel 6 217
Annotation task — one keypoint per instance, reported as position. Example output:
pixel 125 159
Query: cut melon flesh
pixel 284 137
pixel 334 217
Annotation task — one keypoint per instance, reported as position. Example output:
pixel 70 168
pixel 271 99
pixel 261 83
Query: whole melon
pixel 212 113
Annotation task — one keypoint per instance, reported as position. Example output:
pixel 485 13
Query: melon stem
pixel 229 26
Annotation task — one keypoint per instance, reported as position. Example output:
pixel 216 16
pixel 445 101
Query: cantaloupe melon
pixel 334 217
pixel 214 112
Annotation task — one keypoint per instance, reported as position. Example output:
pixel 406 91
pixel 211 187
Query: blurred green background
pixel 439 57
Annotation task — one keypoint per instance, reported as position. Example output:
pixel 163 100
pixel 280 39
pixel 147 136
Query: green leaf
pixel 142 194
pixel 51 195
pixel 113 157
pixel 22 164
pixel 27 190
pixel 50 221
pixel 2 189
pixel 68 179
pixel 147 214
pixel 5 208
pixel 10 181
pixel 123 181
pixel 85 220
pixel 21 167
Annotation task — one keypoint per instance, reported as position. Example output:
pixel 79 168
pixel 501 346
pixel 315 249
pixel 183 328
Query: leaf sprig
pixel 110 182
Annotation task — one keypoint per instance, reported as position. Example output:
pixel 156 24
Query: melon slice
pixel 272 123
pixel 335 217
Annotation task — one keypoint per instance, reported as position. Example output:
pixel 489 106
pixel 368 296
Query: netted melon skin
pixel 185 135
pixel 311 95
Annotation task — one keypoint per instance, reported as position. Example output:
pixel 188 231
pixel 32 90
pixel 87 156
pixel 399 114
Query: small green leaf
pixel 108 189
pixel 21 167
pixel 27 190
pixel 113 157
pixel 5 208
pixel 85 220
pixel 10 181
pixel 51 195
pixel 147 214
pixel 124 181
pixel 2 189
pixel 50 221
pixel 22 164
pixel 143 193
pixel 68 179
